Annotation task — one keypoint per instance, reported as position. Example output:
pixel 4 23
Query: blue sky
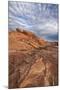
pixel 41 19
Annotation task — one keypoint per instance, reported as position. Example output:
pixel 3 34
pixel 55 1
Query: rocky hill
pixel 32 61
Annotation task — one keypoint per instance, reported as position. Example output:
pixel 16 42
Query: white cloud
pixel 40 18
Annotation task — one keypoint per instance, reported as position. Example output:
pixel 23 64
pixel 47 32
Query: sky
pixel 40 18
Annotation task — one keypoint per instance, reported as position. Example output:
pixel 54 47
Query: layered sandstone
pixel 32 61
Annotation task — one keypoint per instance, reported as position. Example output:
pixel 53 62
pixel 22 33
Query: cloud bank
pixel 40 18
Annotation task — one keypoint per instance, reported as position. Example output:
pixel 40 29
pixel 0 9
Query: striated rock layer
pixel 32 61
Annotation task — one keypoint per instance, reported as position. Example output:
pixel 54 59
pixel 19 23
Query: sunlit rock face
pixel 40 18
pixel 24 40
pixel 33 62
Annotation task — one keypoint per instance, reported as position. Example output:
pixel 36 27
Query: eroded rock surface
pixel 32 61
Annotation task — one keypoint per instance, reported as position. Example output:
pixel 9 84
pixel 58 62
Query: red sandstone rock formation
pixel 32 62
